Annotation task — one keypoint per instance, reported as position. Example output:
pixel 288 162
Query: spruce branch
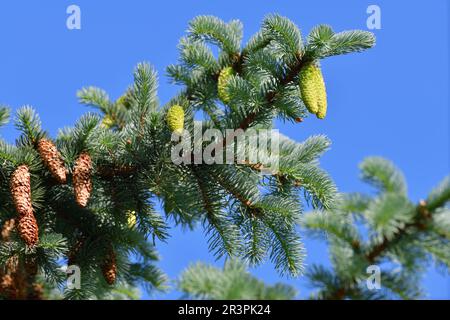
pixel 124 155
pixel 398 231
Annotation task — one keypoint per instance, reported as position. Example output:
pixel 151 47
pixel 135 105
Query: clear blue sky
pixel 390 101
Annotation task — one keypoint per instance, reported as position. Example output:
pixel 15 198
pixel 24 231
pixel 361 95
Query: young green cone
pixel 175 119
pixel 222 82
pixel 312 87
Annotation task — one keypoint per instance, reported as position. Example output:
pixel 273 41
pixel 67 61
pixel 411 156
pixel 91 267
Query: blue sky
pixel 390 101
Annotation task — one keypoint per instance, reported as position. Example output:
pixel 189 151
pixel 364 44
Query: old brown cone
pixel 74 250
pixel 109 268
pixel 21 192
pixel 13 284
pixel 52 159
pixel 82 182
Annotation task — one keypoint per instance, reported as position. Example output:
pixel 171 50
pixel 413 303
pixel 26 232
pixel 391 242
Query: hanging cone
pixel 36 292
pixel 8 227
pixel 7 286
pixel 52 159
pixel 28 229
pixel 14 280
pixel 312 87
pixel 109 268
pixel 82 183
pixel 224 77
pixel 74 250
pixel 175 119
pixel 125 100
pixel 21 190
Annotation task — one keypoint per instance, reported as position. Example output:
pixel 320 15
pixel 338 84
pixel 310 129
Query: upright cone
pixel 224 77
pixel 109 268
pixel 312 87
pixel 175 119
pixel 52 159
pixel 20 185
pixel 82 183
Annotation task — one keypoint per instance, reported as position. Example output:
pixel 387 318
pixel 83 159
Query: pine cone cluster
pixel 52 159
pixel 82 182
pixel 224 77
pixel 109 268
pixel 312 87
pixel 21 192
pixel 175 119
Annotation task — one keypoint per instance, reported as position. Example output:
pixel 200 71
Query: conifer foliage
pixel 233 282
pixel 71 196
pixel 403 237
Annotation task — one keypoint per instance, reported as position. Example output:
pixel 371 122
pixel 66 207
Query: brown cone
pixel 109 268
pixel 82 182
pixel 73 252
pixel 8 227
pixel 52 159
pixel 36 292
pixel 13 283
pixel 20 185
pixel 28 229
pixel 7 286
pixel 16 279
